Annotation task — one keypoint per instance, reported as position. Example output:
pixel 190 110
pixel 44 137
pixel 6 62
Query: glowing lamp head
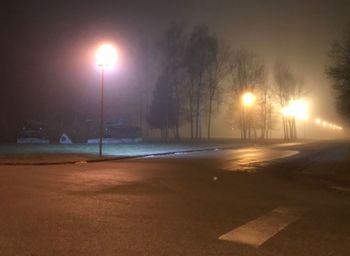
pixel 317 121
pixel 248 99
pixel 106 56
pixel 298 109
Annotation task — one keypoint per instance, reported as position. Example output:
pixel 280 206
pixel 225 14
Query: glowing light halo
pixel 248 99
pixel 298 109
pixel 326 124
pixel 106 56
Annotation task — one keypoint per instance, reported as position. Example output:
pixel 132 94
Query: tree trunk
pixel 198 98
pixel 177 113
pixel 209 118
pixel 285 128
pixel 191 117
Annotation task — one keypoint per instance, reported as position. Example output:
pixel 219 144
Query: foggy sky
pixel 51 38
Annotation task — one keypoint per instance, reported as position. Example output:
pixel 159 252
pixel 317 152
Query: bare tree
pixel 288 87
pixel 265 109
pixel 200 54
pixel 247 72
pixel 172 48
pixel 339 72
pixel 216 73
pixel 143 63
pixel 161 114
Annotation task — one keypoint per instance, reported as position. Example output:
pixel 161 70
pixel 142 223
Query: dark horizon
pixel 48 70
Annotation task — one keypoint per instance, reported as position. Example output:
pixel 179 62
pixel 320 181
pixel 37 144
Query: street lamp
pixel 299 110
pixel 106 56
pixel 248 100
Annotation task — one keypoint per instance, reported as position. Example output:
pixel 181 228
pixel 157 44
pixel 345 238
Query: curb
pixel 106 159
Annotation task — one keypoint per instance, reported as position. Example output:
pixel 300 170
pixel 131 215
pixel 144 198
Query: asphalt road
pixel 249 201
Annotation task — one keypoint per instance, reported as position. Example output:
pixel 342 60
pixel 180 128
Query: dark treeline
pixel 199 72
pixel 339 72
pixel 188 85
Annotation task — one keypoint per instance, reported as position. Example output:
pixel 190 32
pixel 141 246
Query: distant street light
pixel 106 56
pixel 248 99
pixel 325 124
pixel 298 109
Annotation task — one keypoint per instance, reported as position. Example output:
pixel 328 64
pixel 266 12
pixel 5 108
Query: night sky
pixel 47 67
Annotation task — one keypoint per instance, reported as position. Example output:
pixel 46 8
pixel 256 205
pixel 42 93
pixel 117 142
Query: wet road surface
pixel 254 198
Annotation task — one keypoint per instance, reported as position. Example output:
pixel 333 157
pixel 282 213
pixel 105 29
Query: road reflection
pixel 250 159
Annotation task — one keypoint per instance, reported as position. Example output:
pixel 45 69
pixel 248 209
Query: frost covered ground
pixel 13 153
pixel 80 152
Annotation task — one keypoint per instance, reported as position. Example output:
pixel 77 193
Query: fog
pixel 53 44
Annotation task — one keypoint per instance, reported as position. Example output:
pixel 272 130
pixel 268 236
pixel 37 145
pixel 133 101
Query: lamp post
pixel 298 110
pixel 248 100
pixel 105 57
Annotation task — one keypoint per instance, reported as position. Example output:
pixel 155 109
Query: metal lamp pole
pixel 101 110
pixel 106 56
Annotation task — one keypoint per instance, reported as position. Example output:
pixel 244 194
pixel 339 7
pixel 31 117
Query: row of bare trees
pixel 198 70
pixel 288 87
pixel 248 74
pixel 191 71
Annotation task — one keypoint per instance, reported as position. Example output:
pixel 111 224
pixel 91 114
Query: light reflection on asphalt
pixel 248 160
pixel 241 160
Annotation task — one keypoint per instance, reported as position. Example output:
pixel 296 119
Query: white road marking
pixel 258 231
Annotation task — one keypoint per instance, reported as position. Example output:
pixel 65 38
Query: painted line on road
pixel 258 231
